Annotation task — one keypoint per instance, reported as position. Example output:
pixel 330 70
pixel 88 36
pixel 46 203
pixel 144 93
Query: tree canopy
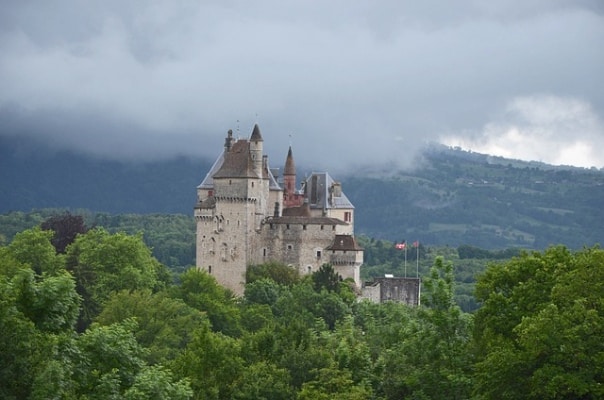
pixel 101 321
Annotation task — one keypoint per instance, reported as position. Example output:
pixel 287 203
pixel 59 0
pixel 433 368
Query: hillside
pixel 450 198
pixel 455 197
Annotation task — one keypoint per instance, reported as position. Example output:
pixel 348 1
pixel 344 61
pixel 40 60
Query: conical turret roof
pixel 290 166
pixel 256 136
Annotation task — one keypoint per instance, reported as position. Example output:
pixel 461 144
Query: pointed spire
pixel 256 136
pixel 290 167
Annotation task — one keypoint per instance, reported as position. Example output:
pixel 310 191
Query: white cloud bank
pixel 555 130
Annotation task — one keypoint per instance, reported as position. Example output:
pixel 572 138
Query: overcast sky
pixel 345 82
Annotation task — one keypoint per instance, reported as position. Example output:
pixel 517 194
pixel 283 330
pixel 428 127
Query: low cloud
pixel 345 83
pixel 551 129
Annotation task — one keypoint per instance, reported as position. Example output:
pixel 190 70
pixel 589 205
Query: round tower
pixel 256 150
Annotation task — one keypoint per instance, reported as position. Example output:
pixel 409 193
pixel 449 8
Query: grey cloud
pixel 349 81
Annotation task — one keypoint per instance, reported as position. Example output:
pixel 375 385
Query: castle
pixel 247 214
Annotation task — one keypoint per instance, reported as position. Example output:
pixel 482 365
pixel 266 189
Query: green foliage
pixel 51 303
pixel 540 328
pixel 199 290
pixel 263 291
pixel 455 197
pixel 211 363
pixel 333 383
pixel 157 383
pixel 326 278
pixel 537 334
pixel 275 271
pixel 466 251
pixel 432 361
pixel 34 248
pixel 171 237
pixel 164 324
pixel 105 263
pixel 109 360
pixel 263 381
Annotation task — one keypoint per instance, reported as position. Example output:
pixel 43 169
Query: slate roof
pixel 208 182
pixel 317 192
pixel 256 136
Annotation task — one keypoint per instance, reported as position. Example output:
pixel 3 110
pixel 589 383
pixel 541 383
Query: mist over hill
pixel 451 197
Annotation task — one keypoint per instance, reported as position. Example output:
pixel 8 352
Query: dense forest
pixel 171 239
pixel 90 314
pixel 449 197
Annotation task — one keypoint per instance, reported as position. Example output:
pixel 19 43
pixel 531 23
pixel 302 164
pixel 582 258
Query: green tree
pixel 432 361
pixel 157 383
pixel 164 325
pixel 199 290
pixel 332 383
pixel 105 263
pixel 326 278
pixel 212 364
pixel 263 381
pixel 34 248
pixel 275 271
pixel 540 328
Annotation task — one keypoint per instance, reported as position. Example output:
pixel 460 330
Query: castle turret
pixel 256 150
pixel 289 173
pixel 290 197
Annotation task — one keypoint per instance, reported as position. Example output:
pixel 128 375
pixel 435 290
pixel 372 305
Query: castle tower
pixel 233 200
pixel 290 197
pixel 244 218
pixel 256 149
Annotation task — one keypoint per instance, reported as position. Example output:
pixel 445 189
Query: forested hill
pixel 451 197
pixel 454 197
pixel 31 177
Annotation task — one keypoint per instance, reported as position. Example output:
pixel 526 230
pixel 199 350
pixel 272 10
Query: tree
pixel 156 383
pixel 326 278
pixel 105 263
pixel 432 360
pixel 332 383
pixel 199 290
pixel 33 248
pixel 263 381
pixel 212 364
pixel 65 227
pixel 540 328
pixel 164 325
pixel 275 271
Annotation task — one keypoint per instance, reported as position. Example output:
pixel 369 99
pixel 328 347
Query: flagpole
pixel 405 261
pixel 416 243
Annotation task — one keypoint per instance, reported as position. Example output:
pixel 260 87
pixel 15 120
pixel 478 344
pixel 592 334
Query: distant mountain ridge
pixel 453 197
